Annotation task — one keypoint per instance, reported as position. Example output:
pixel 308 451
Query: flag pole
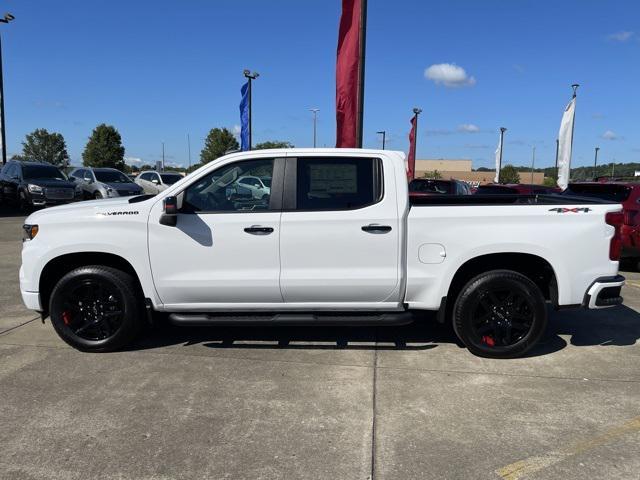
pixel 361 57
pixel 250 76
pixel 502 130
pixel 573 126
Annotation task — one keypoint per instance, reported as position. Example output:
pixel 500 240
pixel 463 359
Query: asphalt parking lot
pixel 340 403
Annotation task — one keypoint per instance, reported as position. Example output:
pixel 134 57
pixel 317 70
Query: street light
pixel 315 120
pixel 595 163
pixel 384 136
pixel 6 19
pixel 250 76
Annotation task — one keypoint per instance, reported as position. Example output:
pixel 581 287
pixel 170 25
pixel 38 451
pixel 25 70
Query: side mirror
pixel 156 181
pixel 169 215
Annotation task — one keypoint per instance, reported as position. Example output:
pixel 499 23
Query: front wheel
pixel 500 314
pixel 98 196
pixel 95 308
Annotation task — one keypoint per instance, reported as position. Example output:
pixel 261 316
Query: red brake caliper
pixel 66 317
pixel 488 340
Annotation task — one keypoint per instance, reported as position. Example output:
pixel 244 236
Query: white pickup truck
pixel 337 240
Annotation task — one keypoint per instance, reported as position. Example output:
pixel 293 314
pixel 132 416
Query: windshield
pixel 42 171
pixel 170 178
pixel 616 193
pixel 111 176
pixel 431 186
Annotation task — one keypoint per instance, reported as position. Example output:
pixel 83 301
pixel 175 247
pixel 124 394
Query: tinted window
pixel 170 178
pixel 220 191
pixel 495 189
pixel 11 170
pixel 431 186
pixel 145 176
pixel 266 182
pixel 605 191
pixel 337 183
pixel 111 176
pixel 42 171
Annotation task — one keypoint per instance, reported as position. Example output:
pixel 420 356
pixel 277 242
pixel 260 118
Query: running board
pixel 310 319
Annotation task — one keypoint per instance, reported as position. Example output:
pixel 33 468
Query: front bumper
pixel 604 292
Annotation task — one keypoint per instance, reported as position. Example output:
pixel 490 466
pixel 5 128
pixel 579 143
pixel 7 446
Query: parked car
pixel 339 241
pixel 155 182
pixel 515 189
pixel 256 186
pixel 104 183
pixel 427 186
pixel 35 184
pixel 625 193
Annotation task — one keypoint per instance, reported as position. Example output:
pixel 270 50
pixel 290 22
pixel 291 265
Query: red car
pixel 423 187
pixel 515 189
pixel 628 194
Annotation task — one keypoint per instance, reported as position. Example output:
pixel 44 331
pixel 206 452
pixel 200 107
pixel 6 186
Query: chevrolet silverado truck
pixel 338 241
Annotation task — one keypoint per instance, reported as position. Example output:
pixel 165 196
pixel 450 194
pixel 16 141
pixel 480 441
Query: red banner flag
pixel 347 74
pixel 411 161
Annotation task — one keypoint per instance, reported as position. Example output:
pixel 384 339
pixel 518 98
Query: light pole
pixel 163 156
pixel 189 149
pixel 502 130
pixel 595 163
pixel 6 19
pixel 533 161
pixel 315 121
pixel 384 136
pixel 250 76
pixel 557 148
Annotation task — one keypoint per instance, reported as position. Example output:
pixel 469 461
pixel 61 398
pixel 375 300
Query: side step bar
pixel 310 319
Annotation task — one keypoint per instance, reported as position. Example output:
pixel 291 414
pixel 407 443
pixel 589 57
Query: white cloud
pixel 610 135
pixel 133 160
pixel 236 130
pixel 468 128
pixel 450 75
pixel 623 36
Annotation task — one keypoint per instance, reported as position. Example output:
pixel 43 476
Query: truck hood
pixel 130 187
pixel 83 210
pixel 50 182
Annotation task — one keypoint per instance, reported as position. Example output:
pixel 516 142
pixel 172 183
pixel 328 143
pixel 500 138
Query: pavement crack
pixel 18 326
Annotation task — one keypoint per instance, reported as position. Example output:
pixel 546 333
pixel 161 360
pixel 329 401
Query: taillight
pixel 615 219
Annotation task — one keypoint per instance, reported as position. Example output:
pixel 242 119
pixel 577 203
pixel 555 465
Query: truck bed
pixel 549 199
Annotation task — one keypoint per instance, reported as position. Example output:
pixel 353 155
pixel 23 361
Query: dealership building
pixel 461 169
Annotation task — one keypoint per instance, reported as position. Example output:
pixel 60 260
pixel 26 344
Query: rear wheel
pixel 95 308
pixel 500 314
pixel 97 196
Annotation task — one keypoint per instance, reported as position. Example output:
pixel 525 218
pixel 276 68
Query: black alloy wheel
pixel 96 308
pixel 500 314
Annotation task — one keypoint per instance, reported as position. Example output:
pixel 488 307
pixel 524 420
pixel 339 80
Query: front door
pixel 224 250
pixel 340 233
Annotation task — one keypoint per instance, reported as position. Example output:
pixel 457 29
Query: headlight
pixel 29 232
pixel 109 192
pixel 34 188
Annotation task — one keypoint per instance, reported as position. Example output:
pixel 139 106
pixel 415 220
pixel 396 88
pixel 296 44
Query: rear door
pixel 340 232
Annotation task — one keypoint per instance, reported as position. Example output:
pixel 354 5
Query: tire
pixel 500 314
pixel 23 204
pixel 96 309
pixel 98 196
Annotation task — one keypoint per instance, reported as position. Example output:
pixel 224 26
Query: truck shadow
pixel 619 326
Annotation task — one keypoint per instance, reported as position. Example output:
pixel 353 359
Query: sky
pixel 163 71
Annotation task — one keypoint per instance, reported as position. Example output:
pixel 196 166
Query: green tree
pixel 104 148
pixel 218 142
pixel 549 182
pixel 435 175
pixel 273 144
pixel 509 174
pixel 47 147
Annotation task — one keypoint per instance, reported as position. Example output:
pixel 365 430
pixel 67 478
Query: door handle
pixel 258 230
pixel 375 228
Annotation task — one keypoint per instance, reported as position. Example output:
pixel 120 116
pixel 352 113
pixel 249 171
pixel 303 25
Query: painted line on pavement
pixel 530 465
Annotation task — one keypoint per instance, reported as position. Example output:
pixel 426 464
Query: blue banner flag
pixel 244 118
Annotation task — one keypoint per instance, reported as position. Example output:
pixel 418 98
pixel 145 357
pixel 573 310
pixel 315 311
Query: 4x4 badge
pixel 570 210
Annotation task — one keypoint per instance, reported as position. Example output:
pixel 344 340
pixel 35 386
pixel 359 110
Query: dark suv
pixel 35 184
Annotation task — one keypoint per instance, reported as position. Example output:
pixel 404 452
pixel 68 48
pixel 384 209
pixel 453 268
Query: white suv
pixel 260 188
pixel 155 182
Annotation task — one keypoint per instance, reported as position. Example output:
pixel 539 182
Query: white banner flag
pixel 565 143
pixel 498 154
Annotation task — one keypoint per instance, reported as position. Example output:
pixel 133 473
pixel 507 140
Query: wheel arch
pixel 532 266
pixel 59 266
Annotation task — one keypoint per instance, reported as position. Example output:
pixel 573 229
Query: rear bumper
pixel 604 292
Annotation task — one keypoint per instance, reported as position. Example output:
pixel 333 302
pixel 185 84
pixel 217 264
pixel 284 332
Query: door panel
pixel 326 256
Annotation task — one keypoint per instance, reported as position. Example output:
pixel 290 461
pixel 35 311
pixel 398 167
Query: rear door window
pixel 337 183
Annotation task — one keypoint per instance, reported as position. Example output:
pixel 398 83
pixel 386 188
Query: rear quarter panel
pixel 576 244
